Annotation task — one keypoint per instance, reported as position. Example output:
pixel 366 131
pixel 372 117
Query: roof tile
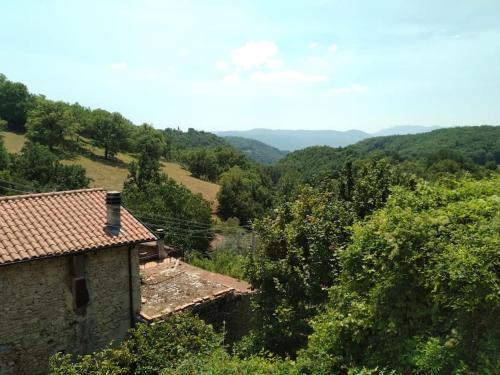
pixel 48 224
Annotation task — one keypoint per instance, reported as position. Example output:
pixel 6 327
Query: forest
pixel 382 257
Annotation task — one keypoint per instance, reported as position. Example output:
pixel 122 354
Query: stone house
pixel 69 275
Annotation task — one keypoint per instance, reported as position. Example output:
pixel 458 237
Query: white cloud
pixel 286 77
pixel 231 78
pixel 119 65
pixel 332 48
pixel 183 52
pixel 221 65
pixel 350 89
pixel 314 45
pixel 256 54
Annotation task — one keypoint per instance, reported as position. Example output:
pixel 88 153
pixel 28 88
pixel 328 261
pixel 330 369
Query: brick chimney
pixel 160 244
pixel 113 206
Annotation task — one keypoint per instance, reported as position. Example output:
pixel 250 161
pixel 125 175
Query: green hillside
pixel 256 150
pixel 112 175
pixel 462 147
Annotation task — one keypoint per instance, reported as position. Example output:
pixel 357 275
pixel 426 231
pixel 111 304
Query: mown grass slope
pixel 112 174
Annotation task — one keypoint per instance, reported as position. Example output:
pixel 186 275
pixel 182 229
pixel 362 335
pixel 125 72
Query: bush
pixel 419 288
pixel 165 345
pixel 226 262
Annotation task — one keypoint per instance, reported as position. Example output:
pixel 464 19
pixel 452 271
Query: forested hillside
pixel 257 151
pixel 291 140
pixel 451 150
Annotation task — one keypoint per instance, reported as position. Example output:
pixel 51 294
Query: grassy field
pixel 112 174
pixel 13 142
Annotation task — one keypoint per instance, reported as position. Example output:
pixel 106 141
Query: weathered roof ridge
pixel 41 225
pixel 51 193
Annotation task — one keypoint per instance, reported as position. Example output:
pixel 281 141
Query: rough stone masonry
pixel 38 316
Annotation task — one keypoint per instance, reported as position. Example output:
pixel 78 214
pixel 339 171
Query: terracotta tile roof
pixel 50 224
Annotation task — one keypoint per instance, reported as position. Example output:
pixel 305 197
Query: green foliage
pixel 165 345
pixel 220 363
pixel 151 146
pixel 419 290
pixel 192 139
pixel 243 194
pixel 209 164
pixel 296 260
pixel 14 103
pixel 106 362
pixel 429 155
pixel 4 156
pixel 256 151
pixel 183 344
pixel 69 177
pixel 169 205
pixel 475 143
pixel 109 131
pixel 226 262
pixel 298 256
pixel 50 123
pixel 38 166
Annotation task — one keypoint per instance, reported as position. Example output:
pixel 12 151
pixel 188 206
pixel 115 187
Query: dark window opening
pixel 80 292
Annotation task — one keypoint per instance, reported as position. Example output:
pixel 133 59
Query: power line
pixel 160 217
pixel 16 190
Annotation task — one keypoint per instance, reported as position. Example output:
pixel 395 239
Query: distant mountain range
pixel 291 140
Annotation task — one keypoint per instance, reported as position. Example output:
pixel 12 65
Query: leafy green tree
pixel 39 167
pixel 202 163
pixel 296 261
pixel 162 346
pixel 243 194
pixel 166 204
pixel 419 287
pixel 14 103
pixel 109 131
pixel 49 123
pixel 210 163
pixel 151 147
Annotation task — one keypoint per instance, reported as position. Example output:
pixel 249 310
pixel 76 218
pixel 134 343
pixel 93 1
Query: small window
pixel 80 292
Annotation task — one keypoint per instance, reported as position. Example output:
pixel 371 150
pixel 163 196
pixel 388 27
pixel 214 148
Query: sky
pixel 236 65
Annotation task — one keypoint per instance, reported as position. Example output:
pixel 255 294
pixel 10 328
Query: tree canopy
pixel 418 291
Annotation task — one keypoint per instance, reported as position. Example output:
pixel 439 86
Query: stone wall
pixel 37 314
pixel 230 314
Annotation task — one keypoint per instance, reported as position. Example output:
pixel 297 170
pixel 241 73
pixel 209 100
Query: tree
pixel 37 166
pixel 109 131
pixel 49 123
pixel 419 287
pixel 14 103
pixel 242 195
pixel 151 146
pixel 296 261
pixel 166 204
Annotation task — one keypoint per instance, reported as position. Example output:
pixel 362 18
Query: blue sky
pixel 230 65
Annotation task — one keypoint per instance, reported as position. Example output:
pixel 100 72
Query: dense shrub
pixel 186 217
pixel 226 262
pixel 183 344
pixel 419 288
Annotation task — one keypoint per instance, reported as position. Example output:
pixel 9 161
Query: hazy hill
pixel 292 140
pixel 257 151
